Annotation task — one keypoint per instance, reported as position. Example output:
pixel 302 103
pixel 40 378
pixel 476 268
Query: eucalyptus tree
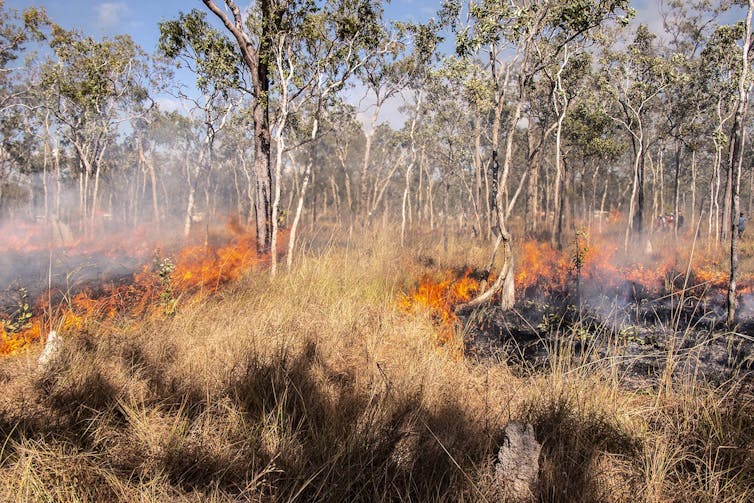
pixel 718 70
pixel 211 56
pixel 637 78
pixel 521 37
pixel 735 160
pixel 447 124
pixel 266 35
pixel 383 77
pixel 569 81
pixel 687 105
pixel 15 32
pixel 591 137
pixel 417 67
pixel 316 51
pixel 92 87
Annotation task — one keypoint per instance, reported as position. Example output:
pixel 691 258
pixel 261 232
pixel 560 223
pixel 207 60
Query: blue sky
pixel 140 19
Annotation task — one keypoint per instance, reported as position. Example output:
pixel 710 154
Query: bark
pixel 736 163
pixel 561 108
pixel 637 192
pixel 445 211
pixel 363 198
pixel 297 218
pixel 191 197
pixel 481 216
pixel 285 75
pixel 532 188
pixel 257 59
pixel 410 167
pixel 693 189
pixel 676 186
pixel 153 182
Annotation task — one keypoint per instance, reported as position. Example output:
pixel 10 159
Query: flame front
pixel 196 272
pixel 597 265
pixel 439 297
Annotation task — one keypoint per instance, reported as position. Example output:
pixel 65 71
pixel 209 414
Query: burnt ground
pixel 643 338
pixel 26 277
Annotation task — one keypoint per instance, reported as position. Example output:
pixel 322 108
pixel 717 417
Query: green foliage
pixel 206 51
pixel 164 267
pixel 21 317
pixel 12 36
pixel 589 128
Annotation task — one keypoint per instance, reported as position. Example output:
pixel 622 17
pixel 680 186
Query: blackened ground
pixel 640 341
pixel 26 278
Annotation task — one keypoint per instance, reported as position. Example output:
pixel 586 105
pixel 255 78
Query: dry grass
pixel 315 386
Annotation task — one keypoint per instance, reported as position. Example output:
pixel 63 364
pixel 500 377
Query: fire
pixel 541 266
pixel 594 263
pixel 440 296
pixel 155 289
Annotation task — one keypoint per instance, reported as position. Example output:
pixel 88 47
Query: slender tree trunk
pixel 751 190
pixel 532 187
pixel 637 193
pixel 190 199
pixel 478 168
pixel 411 164
pixel 297 218
pixel 693 189
pixel 363 197
pixel 676 186
pixel 58 183
pixel 153 183
pixel 736 162
pixel 285 75
pixel 655 191
pixel 561 108
pixel 661 175
pixel 446 209
pixel 558 196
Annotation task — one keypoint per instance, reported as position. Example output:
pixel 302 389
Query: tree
pixel 736 157
pixel 259 32
pixel 535 32
pixel 91 88
pixel 638 77
pixel 213 59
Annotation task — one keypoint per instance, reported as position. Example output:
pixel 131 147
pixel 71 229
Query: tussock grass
pixel 315 386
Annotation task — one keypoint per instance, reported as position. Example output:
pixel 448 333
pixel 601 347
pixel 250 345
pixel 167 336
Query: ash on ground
pixel 641 341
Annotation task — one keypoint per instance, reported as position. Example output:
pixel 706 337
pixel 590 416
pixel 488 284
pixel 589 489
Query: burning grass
pixel 158 284
pixel 318 386
pixel 591 267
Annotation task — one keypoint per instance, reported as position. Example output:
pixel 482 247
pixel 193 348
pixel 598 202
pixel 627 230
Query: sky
pixel 140 19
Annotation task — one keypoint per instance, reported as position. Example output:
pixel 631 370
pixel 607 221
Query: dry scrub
pixel 316 386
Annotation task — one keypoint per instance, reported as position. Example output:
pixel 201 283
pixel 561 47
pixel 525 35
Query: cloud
pixel 110 14
pixel 169 104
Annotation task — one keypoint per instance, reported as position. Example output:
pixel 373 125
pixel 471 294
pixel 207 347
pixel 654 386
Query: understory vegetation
pixel 316 385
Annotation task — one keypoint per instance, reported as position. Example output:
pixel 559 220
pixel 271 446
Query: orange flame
pixel 439 297
pixel 197 271
pixel 599 262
